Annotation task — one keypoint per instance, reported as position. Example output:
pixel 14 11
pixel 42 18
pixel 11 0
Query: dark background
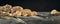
pixel 38 5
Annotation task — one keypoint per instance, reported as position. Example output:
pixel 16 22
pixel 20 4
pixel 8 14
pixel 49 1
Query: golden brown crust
pixel 1 8
pixel 26 12
pixel 8 10
pixel 54 12
pixel 16 8
pixel 34 13
pixel 17 13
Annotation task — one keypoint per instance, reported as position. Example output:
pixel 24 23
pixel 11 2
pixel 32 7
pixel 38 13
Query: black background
pixel 38 5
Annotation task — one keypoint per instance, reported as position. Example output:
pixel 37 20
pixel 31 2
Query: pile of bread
pixel 8 10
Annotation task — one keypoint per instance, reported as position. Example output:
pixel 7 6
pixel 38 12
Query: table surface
pixel 41 18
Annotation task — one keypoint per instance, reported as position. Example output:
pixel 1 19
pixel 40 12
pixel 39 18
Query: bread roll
pixel 34 13
pixel 54 12
pixel 7 8
pixel 25 12
pixel 16 8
